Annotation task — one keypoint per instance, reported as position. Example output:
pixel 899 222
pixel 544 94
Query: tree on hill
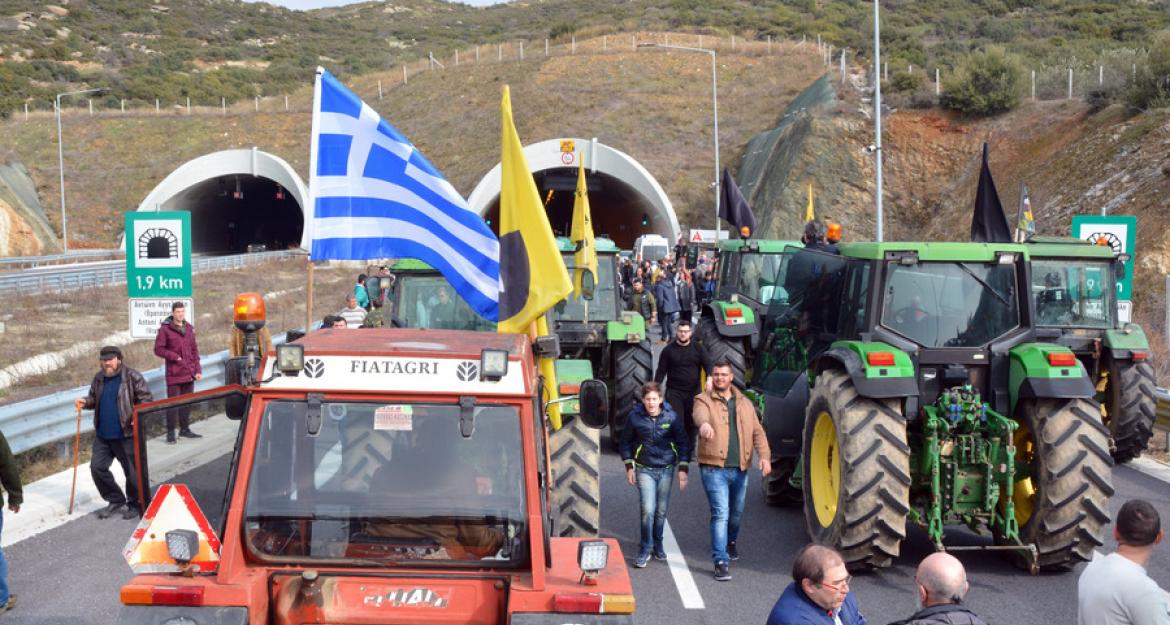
pixel 1150 88
pixel 985 83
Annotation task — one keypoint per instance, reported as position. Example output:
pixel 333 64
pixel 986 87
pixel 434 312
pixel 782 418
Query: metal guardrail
pixel 69 277
pixel 1163 406
pixel 51 259
pixel 51 418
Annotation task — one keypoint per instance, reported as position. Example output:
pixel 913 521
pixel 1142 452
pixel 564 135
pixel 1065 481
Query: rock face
pixel 24 230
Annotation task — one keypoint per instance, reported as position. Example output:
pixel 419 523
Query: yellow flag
pixel 808 211
pixel 585 258
pixel 532 275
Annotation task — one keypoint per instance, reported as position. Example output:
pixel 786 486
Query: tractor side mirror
pixel 593 398
pixel 1119 268
pixel 588 284
pixel 235 372
pixel 374 288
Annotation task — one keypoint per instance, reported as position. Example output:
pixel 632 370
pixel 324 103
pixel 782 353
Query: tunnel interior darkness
pixel 617 209
pixel 228 213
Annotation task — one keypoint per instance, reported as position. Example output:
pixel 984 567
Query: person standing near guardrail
pixel 10 479
pixel 114 392
pixel 175 344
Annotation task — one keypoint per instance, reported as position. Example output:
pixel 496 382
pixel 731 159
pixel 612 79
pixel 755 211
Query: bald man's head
pixel 941 579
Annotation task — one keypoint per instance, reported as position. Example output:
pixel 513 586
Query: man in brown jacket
pixel 728 431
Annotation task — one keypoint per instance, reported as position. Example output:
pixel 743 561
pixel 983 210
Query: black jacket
pixel 10 474
pixel 945 614
pixel 132 392
pixel 659 442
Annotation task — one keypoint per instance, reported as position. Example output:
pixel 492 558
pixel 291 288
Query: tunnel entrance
pixel 618 210
pixel 625 200
pixel 239 200
pixel 229 214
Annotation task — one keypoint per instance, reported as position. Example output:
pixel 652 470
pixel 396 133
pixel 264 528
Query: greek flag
pixel 375 196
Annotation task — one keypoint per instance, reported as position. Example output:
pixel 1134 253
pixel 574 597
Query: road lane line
pixel 1150 467
pixel 683 580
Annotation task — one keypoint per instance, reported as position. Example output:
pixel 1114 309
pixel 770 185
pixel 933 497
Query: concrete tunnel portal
pixel 242 197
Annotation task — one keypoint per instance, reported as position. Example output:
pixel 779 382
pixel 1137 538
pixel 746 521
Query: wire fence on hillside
pixel 1075 79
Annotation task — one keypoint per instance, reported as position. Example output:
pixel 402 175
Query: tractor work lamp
pixel 493 364
pixel 182 546
pixel 290 359
pixel 1006 258
pixel 592 556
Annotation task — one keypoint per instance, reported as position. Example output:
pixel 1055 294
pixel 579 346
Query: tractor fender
pixel 1122 343
pixel 1032 376
pixel 570 374
pixel 629 328
pixel 732 320
pixel 204 615
pixel 873 381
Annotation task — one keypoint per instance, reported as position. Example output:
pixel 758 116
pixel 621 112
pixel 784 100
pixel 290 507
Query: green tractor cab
pixel 932 401
pixel 598 330
pixel 1075 285
pixel 422 298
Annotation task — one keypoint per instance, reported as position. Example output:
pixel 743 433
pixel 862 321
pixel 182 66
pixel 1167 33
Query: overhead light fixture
pixel 279 192
pixel 238 194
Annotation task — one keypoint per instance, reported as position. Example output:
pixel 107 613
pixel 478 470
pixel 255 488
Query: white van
pixel 651 247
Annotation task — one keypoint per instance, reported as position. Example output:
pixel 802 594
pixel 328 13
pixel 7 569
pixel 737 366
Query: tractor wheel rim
pixel 1024 491
pixel 825 469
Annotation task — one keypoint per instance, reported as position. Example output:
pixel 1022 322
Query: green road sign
pixel 158 254
pixel 1116 231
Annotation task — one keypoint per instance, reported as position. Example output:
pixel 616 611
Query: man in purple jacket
pixel 175 344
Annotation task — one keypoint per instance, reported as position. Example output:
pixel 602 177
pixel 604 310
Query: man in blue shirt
pixel 114 392
pixel 819 592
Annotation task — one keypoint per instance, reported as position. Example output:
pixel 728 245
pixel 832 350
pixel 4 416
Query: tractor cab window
pixel 950 304
pixel 429 301
pixel 758 277
pixel 381 483
pixel 1073 293
pixel 603 306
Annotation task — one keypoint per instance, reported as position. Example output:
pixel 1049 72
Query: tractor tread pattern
pixel 575 453
pixel 874 496
pixel 632 368
pixel 1132 409
pixel 724 348
pixel 1073 483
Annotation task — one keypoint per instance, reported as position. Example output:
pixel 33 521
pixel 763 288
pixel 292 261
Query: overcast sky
pixel 317 4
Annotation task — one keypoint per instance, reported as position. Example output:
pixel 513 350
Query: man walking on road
pixel 642 302
pixel 175 344
pixel 728 431
pixel 668 306
pixel 819 591
pixel 941 582
pixel 1115 589
pixel 10 479
pixel 680 364
pixel 114 392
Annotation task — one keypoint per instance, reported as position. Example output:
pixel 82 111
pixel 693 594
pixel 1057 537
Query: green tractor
pixel 729 326
pixel 421 298
pixel 933 402
pixel 1075 284
pixel 598 330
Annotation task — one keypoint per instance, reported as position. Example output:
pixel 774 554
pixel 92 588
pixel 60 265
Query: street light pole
pixel 714 111
pixel 877 116
pixel 61 164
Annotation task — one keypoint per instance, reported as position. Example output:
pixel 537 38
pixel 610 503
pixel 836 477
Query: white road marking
pixel 1150 467
pixel 683 580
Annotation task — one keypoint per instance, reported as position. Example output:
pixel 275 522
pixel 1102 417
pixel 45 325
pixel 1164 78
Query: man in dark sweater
pixel 681 363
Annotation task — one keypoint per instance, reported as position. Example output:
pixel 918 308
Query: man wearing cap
pixel 114 392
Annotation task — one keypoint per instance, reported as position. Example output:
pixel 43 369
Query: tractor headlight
pixel 290 359
pixel 592 555
pixel 182 545
pixel 493 364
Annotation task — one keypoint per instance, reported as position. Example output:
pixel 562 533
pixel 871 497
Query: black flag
pixel 733 207
pixel 988 224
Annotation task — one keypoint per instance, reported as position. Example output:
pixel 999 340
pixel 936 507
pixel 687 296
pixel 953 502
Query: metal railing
pixel 69 277
pixel 53 259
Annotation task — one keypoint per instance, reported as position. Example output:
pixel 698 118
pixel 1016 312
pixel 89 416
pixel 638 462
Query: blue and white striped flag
pixel 375 196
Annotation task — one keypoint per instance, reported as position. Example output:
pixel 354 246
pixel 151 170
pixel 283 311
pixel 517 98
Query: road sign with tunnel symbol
pixel 158 254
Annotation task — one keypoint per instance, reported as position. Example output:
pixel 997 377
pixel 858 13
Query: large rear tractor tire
pixel 1063 481
pixel 576 482
pixel 777 486
pixel 1130 408
pixel 632 368
pixel 721 347
pixel 856 472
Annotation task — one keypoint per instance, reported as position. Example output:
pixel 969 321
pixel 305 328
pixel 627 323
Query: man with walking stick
pixel 114 392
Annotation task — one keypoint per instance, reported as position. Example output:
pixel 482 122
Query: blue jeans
pixel 666 325
pixel 726 491
pixel 654 488
pixel 3 566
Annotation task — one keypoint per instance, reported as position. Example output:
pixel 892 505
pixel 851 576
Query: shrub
pixel 985 83
pixel 1099 99
pixel 907 82
pixel 1151 87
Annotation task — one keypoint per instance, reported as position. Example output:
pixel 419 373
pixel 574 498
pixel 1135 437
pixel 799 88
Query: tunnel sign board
pixel 1118 232
pixel 158 254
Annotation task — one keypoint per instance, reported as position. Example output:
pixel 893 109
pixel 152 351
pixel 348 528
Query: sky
pixel 317 4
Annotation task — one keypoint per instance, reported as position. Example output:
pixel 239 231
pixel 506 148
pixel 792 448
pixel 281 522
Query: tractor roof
pixel 1067 247
pixel 938 251
pixel 604 244
pixel 767 246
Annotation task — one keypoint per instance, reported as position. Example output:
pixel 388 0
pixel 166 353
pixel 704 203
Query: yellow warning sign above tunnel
pixel 568 145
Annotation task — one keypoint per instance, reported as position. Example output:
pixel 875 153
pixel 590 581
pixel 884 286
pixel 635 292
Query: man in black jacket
pixel 680 364
pixel 114 392
pixel 941 583
pixel 10 479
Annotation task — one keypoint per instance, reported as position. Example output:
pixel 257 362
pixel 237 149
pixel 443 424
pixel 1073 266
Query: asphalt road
pixel 71 575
